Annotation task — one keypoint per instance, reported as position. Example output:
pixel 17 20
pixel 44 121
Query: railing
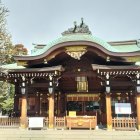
pixel 60 122
pixel 9 122
pixel 46 122
pixel 124 123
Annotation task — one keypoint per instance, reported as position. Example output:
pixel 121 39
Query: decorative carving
pixel 82 28
pixel 76 52
pixel 132 59
pixel 22 63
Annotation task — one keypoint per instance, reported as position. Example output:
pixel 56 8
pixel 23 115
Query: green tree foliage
pixel 6 47
pixel 7 97
pixel 7 50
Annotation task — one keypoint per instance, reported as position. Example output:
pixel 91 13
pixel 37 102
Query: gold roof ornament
pixel 76 52
pixel 82 28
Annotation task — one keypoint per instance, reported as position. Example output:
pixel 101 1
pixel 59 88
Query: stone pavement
pixel 18 134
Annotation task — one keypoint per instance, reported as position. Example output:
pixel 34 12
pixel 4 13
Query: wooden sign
pixel 36 122
pixel 72 113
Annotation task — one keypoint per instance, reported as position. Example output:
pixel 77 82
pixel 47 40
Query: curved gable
pixel 75 38
pixel 81 36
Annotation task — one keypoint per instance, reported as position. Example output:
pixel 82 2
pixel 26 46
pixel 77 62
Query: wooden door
pixel 44 105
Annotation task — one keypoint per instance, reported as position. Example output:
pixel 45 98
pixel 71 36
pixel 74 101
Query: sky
pixel 41 21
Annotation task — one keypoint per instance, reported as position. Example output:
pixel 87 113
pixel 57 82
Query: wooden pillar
pixel 138 111
pixel 37 106
pixel 23 118
pixel 108 111
pixel 59 104
pixel 16 100
pixel 51 111
pixel 133 104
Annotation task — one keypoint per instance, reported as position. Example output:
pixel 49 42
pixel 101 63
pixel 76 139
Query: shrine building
pixel 76 75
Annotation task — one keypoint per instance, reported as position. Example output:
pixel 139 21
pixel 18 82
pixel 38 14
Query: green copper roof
pixel 127 48
pixel 12 66
pixel 75 37
pixel 86 37
pixel 137 63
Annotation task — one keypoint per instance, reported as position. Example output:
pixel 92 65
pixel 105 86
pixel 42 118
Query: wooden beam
pixel 122 83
